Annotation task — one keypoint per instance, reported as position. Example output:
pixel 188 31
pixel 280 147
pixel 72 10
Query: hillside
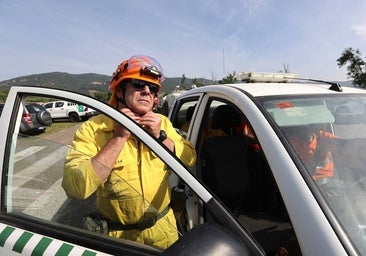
pixel 81 83
pixel 90 83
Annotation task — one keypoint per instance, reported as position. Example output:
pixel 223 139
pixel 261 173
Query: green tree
pixel 3 95
pixel 182 80
pixel 229 79
pixel 103 96
pixel 198 82
pixel 356 68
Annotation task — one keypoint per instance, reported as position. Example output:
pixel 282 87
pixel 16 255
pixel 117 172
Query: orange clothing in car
pixel 316 154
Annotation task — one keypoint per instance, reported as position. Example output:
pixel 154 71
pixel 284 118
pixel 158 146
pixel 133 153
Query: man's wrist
pixel 162 136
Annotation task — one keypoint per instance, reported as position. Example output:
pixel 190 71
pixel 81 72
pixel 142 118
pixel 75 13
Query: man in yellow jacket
pixel 130 181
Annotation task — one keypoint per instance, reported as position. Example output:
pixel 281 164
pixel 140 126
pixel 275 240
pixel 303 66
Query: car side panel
pixel 59 111
pixel 16 241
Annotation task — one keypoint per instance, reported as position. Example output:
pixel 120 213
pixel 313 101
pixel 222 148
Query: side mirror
pixel 208 239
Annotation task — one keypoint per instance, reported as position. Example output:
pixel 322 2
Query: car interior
pixel 232 165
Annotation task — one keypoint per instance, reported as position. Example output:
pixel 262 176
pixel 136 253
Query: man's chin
pixel 142 111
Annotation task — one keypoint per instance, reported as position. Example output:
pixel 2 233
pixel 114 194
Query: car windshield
pixel 327 139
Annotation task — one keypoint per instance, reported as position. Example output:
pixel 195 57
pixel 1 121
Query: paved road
pixel 63 137
pixel 34 185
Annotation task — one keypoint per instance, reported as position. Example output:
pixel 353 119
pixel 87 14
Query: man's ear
pixel 156 103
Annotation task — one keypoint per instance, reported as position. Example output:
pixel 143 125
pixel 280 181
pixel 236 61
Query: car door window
pixel 233 165
pixel 59 104
pixel 33 186
pixel 34 182
pixel 183 114
pixel 34 194
pixel 48 105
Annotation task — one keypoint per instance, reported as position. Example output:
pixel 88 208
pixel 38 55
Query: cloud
pixel 360 30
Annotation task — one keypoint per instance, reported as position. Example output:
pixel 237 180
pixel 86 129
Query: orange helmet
pixel 138 67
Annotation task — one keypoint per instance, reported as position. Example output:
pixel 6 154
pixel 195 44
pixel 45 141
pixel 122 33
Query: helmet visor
pixel 147 65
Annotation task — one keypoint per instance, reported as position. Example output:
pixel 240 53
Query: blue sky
pixel 198 38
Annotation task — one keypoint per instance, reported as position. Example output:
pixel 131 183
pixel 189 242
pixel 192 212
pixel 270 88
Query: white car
pixel 251 192
pixel 167 102
pixel 63 109
pixel 255 145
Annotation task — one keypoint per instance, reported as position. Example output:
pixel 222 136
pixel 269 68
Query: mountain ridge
pixel 85 83
pixel 91 83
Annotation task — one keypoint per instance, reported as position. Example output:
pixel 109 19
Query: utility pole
pixel 223 62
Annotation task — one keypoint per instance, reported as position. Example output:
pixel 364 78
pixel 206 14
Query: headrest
pixel 225 117
pixel 189 113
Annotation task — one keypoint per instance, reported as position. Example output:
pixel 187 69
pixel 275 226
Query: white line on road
pixel 45 202
pixel 27 152
pixel 38 167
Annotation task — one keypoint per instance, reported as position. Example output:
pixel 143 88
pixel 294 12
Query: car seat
pixel 224 159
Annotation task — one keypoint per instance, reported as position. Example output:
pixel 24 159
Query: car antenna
pixel 334 85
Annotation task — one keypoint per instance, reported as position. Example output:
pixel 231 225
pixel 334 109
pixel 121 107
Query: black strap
pixel 148 223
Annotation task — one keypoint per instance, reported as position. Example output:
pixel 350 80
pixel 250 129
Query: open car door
pixel 37 216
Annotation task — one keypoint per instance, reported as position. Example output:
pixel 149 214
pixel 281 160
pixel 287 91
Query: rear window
pixel 48 105
pixel 34 108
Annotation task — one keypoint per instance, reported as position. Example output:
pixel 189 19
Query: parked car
pixel 69 110
pixel 166 103
pixel 255 145
pixel 251 192
pixel 35 119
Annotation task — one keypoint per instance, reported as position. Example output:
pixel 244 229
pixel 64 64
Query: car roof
pixel 271 89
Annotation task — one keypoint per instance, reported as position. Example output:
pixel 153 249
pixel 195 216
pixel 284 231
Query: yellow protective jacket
pixel 137 187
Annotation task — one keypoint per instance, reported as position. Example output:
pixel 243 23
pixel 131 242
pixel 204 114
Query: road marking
pixel 47 204
pixel 27 152
pixel 38 167
pixel 33 200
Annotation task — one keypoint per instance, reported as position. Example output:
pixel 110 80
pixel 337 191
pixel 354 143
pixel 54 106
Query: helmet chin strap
pixel 121 100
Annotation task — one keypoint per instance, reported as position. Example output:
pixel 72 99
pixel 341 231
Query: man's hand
pixel 151 122
pixel 121 131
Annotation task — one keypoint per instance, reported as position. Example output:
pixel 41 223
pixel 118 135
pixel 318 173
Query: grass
pixel 58 126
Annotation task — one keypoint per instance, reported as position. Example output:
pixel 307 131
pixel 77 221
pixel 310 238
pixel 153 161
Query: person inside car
pixel 130 181
pixel 314 147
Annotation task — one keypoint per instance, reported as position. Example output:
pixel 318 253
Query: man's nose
pixel 146 89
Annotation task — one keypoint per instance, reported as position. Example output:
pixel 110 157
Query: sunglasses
pixel 140 85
